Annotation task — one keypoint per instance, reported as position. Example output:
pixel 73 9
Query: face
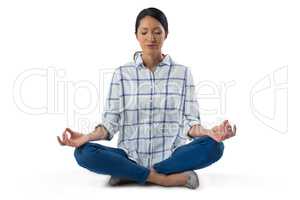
pixel 151 35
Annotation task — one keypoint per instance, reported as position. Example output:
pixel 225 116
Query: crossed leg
pixel 200 153
pixel 109 161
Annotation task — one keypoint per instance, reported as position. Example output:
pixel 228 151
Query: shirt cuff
pixel 188 127
pixel 108 128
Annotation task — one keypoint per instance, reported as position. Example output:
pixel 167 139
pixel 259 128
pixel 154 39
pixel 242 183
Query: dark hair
pixel 155 13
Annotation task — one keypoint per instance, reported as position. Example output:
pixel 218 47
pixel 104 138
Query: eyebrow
pixel 144 28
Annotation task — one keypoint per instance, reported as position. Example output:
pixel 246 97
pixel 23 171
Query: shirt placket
pixel 152 87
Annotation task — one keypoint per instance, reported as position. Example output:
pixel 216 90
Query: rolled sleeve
pixel 191 106
pixel 111 113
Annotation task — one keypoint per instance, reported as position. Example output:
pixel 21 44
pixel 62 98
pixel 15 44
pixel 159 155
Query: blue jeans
pixel 200 153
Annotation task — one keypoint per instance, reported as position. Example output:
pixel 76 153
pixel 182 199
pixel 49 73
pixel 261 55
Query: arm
pixel 76 139
pixel 111 114
pixel 198 130
pixel 218 133
pixel 191 107
pixel 192 125
pixel 100 133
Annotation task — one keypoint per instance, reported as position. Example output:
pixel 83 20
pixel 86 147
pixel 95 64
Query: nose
pixel 151 37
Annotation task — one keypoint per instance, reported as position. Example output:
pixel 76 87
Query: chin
pixel 151 51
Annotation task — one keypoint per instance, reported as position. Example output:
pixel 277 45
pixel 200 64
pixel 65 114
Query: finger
pixel 228 128
pixel 225 122
pixel 65 137
pixel 223 128
pixel 73 144
pixel 230 132
pixel 229 135
pixel 227 125
pixel 68 142
pixel 65 131
pixel 234 130
pixel 226 136
pixel 60 142
pixel 70 131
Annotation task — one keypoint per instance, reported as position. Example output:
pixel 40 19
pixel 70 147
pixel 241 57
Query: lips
pixel 151 45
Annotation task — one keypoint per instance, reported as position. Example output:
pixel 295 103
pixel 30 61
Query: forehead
pixel 149 22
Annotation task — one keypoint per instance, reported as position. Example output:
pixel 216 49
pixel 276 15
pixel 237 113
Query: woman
pixel 151 103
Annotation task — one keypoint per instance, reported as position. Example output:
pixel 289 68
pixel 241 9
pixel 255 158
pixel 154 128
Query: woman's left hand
pixel 222 131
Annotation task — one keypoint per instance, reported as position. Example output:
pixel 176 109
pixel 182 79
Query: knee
pixel 214 149
pixel 82 154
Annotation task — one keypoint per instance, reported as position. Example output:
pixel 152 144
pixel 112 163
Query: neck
pixel 151 60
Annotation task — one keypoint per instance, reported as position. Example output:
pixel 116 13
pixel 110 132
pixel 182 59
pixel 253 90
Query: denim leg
pixel 109 161
pixel 200 153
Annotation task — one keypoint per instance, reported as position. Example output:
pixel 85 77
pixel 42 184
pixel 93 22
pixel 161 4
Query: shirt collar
pixel 139 60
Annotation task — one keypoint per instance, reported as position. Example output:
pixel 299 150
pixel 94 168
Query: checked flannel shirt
pixel 151 111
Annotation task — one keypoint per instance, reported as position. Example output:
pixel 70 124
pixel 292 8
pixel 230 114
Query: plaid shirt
pixel 152 111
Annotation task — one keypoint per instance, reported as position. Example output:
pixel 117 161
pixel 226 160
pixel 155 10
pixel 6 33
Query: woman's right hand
pixel 76 139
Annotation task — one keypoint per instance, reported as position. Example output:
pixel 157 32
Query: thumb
pixel 70 131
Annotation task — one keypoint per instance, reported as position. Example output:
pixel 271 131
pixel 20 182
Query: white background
pixel 56 59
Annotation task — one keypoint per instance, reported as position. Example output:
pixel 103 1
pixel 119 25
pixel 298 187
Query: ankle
pixel 157 178
pixel 177 179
